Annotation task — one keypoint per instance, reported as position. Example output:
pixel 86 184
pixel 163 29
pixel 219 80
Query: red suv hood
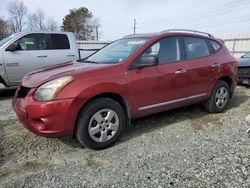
pixel 40 76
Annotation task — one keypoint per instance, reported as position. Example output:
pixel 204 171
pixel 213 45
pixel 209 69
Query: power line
pixel 199 15
pixel 219 21
pixel 216 13
pixel 209 19
pixel 222 23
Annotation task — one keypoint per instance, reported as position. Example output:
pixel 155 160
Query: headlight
pixel 49 90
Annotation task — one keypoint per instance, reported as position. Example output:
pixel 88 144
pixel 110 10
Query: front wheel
pixel 219 98
pixel 100 123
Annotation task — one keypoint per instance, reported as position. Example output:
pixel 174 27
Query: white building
pixel 90 45
pixel 237 43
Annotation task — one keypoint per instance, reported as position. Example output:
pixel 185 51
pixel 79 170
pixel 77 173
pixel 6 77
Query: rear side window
pixel 196 47
pixel 59 42
pixel 215 45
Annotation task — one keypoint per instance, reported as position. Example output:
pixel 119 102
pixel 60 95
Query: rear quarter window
pixel 215 45
pixel 59 42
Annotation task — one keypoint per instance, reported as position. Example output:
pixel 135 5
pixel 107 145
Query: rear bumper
pixel 50 119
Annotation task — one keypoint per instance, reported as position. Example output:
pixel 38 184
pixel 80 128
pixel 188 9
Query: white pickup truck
pixel 24 52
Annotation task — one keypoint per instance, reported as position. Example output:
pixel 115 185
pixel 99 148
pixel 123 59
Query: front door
pixel 163 86
pixel 32 55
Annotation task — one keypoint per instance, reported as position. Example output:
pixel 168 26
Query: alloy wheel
pixel 221 97
pixel 103 125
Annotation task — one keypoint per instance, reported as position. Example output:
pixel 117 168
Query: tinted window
pixel 196 47
pixel 215 45
pixel 33 42
pixel 59 42
pixel 167 50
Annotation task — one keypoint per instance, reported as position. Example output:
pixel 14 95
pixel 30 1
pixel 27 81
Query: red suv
pixel 96 98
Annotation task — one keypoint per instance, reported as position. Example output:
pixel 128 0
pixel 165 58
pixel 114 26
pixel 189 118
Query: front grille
pixel 244 71
pixel 22 92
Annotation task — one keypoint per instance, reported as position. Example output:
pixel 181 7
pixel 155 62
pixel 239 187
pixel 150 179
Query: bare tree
pixel 41 19
pixel 94 25
pixel 3 28
pixel 52 25
pixel 32 22
pixel 17 11
pixel 36 21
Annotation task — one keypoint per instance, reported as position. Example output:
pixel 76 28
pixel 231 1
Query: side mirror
pixel 147 61
pixel 13 47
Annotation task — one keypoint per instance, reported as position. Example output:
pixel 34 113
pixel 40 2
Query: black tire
pixel 210 104
pixel 86 116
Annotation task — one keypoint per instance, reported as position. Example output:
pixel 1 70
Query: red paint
pixel 138 87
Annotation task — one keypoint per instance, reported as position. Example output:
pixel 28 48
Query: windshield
pixel 117 51
pixel 3 41
pixel 246 55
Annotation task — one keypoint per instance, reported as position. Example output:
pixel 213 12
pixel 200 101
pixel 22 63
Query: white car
pixel 24 52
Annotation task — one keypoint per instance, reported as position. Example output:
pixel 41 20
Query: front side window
pixel 167 50
pixel 196 47
pixel 59 42
pixel 33 42
pixel 117 51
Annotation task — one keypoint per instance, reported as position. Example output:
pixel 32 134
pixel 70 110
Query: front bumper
pixel 51 119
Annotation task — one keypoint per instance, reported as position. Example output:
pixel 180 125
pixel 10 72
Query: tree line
pixel 79 21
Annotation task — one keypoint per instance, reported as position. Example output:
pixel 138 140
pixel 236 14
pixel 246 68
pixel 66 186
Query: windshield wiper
pixel 87 61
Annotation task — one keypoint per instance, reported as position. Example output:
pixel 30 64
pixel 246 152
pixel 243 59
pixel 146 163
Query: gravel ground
pixel 186 147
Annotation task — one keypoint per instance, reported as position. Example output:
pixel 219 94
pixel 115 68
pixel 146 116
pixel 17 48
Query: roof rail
pixel 187 30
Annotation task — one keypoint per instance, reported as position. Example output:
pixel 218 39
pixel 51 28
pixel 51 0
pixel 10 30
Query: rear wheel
pixel 219 98
pixel 100 123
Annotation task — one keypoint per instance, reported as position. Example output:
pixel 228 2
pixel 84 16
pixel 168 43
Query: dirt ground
pixel 186 147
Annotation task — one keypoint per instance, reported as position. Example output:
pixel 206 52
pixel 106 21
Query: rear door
pixel 202 67
pixel 33 54
pixel 61 50
pixel 163 86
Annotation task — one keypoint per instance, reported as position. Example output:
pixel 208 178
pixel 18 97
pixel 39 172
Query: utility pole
pixel 97 34
pixel 134 26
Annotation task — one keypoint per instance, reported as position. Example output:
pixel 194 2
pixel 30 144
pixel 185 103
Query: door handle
pixel 216 65
pixel 41 55
pixel 70 55
pixel 180 71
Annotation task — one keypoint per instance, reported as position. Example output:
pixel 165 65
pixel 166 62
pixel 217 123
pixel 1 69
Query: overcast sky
pixel 116 16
